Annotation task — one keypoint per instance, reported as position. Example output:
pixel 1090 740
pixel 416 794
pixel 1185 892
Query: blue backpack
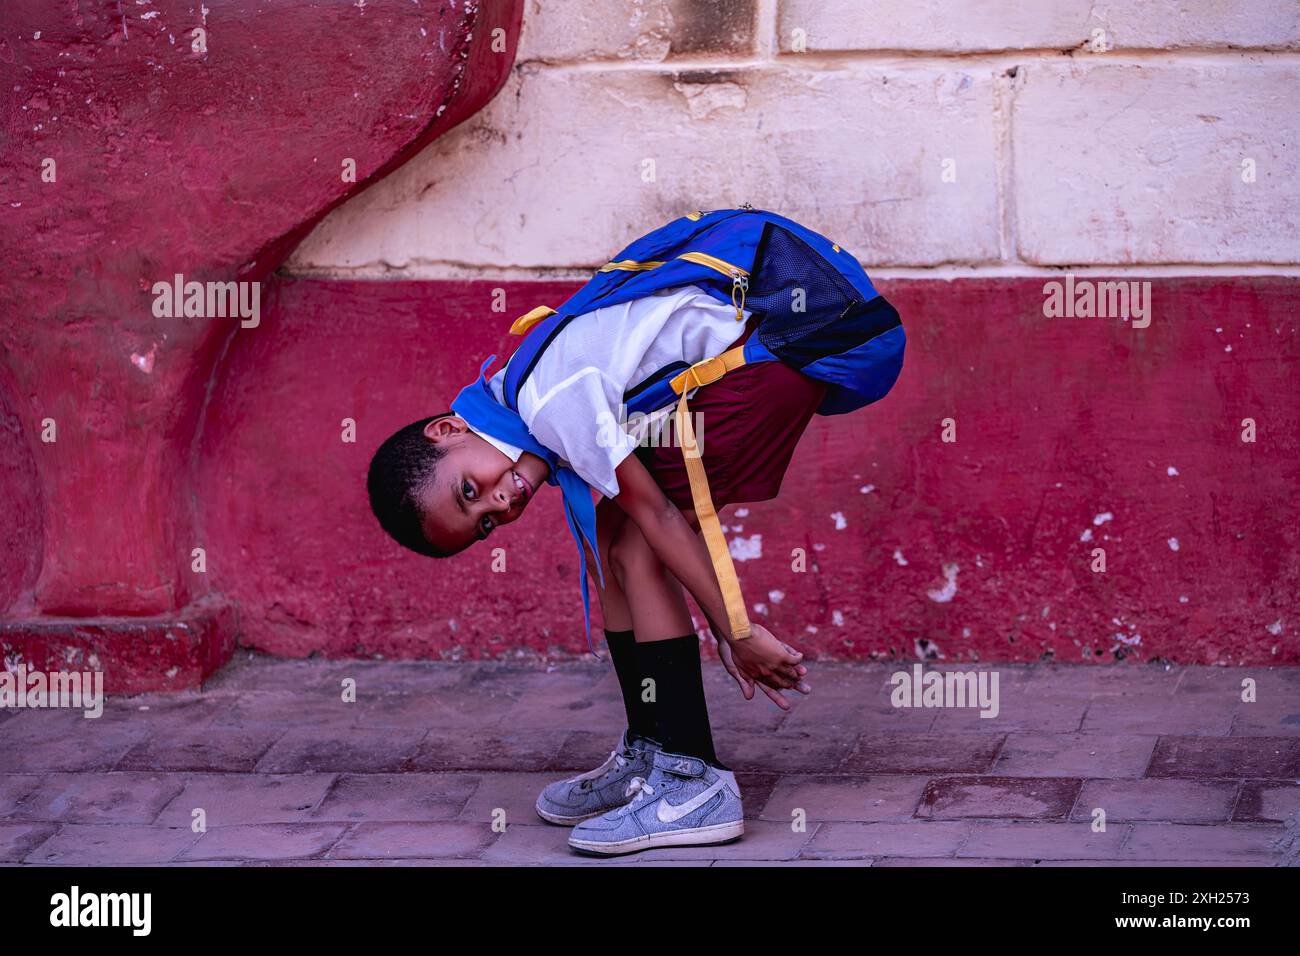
pixel 820 313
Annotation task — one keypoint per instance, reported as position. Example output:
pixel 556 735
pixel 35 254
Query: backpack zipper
pixel 742 283
pixel 738 276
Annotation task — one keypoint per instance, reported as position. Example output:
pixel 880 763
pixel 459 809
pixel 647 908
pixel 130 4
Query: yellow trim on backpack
pixel 700 258
pixel 713 262
pixel 702 373
pixel 737 275
pixel 629 265
pixel 528 320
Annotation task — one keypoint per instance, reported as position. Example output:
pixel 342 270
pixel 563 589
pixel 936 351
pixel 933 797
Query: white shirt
pixel 572 401
pixel 510 451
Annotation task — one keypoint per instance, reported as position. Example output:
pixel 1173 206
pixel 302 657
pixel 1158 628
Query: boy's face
pixel 475 488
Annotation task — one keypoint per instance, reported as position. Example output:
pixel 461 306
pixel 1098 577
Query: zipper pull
pixel 741 284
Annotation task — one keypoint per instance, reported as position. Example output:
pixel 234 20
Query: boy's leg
pixel 570 801
pixel 688 798
pixel 656 606
pixel 618 624
pixel 668 650
pixel 613 602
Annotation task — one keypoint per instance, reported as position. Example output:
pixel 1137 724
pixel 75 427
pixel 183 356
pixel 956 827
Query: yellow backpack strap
pixel 709 370
pixel 526 322
pixel 702 373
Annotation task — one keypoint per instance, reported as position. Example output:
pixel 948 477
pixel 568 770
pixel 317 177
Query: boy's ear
pixel 446 427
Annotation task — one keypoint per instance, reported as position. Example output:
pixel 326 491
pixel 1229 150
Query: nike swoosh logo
pixel 668 813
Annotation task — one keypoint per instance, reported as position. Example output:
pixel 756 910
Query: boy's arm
pixel 761 656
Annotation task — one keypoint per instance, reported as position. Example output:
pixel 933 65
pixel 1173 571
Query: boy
pixel 443 483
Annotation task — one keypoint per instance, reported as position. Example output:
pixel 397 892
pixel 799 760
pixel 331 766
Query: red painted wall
pixel 20 531
pixel 130 156
pixel 183 433
pixel 1058 421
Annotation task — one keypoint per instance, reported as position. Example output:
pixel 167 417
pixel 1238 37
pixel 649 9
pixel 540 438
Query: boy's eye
pixel 486 525
pixel 466 490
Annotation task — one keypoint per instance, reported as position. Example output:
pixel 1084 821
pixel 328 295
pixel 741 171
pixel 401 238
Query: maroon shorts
pixel 752 418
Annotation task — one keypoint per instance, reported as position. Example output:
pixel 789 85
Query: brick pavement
pixel 417 768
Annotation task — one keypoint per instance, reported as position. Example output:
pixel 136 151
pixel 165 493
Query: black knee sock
pixel 681 713
pixel 640 714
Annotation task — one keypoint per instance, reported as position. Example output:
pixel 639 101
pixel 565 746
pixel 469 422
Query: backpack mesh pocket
pixel 834 317
pixel 788 275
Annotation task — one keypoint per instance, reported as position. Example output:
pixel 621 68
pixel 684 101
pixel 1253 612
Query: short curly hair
pixel 399 470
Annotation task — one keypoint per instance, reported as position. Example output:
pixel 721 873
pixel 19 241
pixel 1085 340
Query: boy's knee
pixel 620 554
pixel 629 554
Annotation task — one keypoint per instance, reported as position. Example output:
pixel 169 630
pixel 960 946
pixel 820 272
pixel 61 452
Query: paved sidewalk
pixel 283 771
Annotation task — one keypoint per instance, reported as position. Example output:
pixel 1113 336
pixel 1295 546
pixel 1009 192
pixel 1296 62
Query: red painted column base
pixel 175 652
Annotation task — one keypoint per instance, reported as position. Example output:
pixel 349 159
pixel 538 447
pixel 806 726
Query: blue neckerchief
pixel 477 405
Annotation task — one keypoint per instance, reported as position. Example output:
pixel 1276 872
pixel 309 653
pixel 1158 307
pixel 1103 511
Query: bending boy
pixel 443 483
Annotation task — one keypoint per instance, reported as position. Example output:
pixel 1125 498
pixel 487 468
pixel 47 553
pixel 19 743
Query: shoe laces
pixel 615 761
pixel 639 787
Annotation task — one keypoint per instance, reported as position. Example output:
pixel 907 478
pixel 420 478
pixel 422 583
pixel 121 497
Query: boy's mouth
pixel 525 489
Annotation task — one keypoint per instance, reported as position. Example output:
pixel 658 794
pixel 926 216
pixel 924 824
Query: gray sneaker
pixel 684 802
pixel 588 795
